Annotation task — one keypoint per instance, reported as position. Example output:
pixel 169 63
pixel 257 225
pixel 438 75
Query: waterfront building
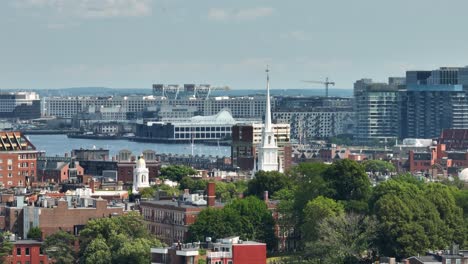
pixel 18 160
pixel 197 128
pixel 315 117
pixel 240 107
pixel 376 110
pixel 20 105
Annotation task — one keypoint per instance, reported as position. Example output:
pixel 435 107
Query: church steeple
pixel 268 150
pixel 268 104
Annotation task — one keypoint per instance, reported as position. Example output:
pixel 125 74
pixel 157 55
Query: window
pixel 18 251
pixel 27 252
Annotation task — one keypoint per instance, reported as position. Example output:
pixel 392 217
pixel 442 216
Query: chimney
pixel 91 185
pixel 265 196
pixel 211 194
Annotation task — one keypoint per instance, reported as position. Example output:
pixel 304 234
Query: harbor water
pixel 55 145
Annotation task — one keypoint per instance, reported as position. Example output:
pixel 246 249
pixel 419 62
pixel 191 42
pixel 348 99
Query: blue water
pixel 55 145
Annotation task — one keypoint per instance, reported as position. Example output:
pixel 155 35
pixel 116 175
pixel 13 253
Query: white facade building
pixel 140 175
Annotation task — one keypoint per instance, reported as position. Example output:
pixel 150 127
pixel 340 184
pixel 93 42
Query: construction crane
pixel 326 83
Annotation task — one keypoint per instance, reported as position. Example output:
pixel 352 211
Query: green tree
pixel 248 218
pixel 345 238
pixel 147 192
pixel 5 246
pixel 176 172
pixel 378 166
pixel 226 191
pixel 271 181
pixel 121 234
pixel 59 246
pixel 97 252
pixel 257 220
pixel 442 197
pixel 215 223
pixel 192 184
pixel 315 211
pixel 35 233
pixel 308 184
pixel 409 222
pixel 347 181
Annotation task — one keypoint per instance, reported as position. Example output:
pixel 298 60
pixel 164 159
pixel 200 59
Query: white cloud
pixel 217 14
pixel 91 8
pixel 222 14
pixel 296 35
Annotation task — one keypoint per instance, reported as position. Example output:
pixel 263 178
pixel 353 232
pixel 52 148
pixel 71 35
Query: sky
pixel 135 43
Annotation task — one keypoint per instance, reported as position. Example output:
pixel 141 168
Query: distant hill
pixel 105 91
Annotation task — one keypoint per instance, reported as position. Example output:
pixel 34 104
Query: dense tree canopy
pixel 271 181
pixel 317 210
pixel 59 246
pixel 347 181
pixel 413 218
pixel 176 172
pixel 125 236
pixel 343 238
pixel 378 166
pixel 248 218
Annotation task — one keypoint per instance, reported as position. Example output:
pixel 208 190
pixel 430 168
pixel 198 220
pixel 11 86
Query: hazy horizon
pixel 135 43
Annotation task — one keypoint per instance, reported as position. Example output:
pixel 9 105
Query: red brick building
pixel 126 163
pixel 17 160
pixel 437 160
pixel 66 217
pixel 246 139
pixel 229 250
pixel 454 139
pixel 27 252
pixel 170 219
pixel 58 169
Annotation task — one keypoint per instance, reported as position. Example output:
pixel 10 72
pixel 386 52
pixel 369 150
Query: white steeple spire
pixel 268 105
pixel 268 150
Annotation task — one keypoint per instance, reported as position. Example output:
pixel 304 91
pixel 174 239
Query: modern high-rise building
pixel 315 117
pixel 376 111
pixel 432 101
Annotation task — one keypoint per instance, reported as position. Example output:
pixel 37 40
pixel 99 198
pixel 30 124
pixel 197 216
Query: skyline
pixel 131 43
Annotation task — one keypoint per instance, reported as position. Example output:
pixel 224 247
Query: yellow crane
pixel 326 83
